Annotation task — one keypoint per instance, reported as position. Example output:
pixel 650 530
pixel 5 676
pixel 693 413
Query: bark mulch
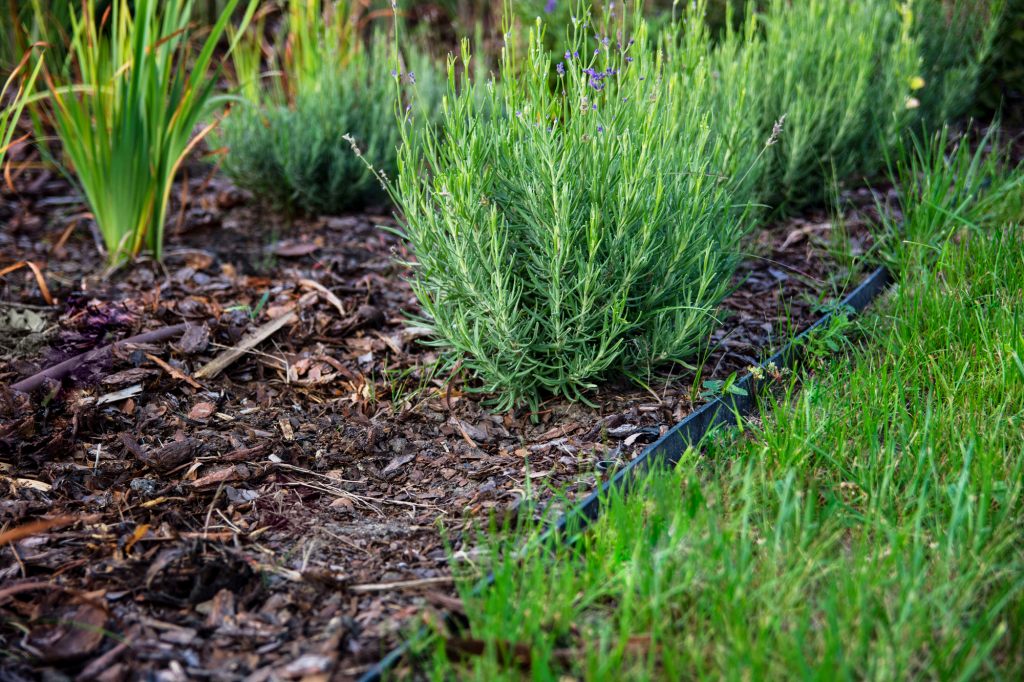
pixel 282 519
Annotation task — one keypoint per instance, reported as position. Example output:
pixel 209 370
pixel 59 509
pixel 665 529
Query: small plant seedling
pixel 252 312
pixel 716 388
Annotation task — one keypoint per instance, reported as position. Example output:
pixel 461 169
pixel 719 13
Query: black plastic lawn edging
pixel 668 449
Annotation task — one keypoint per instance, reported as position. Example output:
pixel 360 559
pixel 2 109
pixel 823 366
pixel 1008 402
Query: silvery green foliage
pixel 288 141
pixel 295 155
pixel 841 72
pixel 955 38
pixel 575 223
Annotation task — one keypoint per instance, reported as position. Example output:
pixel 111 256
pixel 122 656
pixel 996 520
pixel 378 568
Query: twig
pixel 174 372
pixel 209 512
pixel 99 665
pixel 58 372
pixel 401 585
pixel 34 528
pixel 249 341
pixel 40 280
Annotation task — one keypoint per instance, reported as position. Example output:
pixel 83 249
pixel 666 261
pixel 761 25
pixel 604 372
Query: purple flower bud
pixel 551 6
pixel 560 68
pixel 600 129
pixel 567 55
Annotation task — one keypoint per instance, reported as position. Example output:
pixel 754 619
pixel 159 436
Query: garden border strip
pixel 668 449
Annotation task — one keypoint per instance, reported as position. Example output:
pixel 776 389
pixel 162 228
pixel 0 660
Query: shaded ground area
pixel 283 517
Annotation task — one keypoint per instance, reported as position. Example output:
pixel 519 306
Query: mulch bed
pixel 282 519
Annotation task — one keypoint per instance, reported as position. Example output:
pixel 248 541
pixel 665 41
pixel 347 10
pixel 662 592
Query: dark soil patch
pixel 281 520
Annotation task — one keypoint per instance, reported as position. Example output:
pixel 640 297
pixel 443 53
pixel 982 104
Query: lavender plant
pixel 286 142
pixel 842 74
pixel 575 223
pixel 955 37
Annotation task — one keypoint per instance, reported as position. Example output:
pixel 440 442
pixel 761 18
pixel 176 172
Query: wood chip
pixel 327 293
pixel 248 342
pixel 118 396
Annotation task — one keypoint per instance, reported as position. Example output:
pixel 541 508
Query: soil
pixel 283 519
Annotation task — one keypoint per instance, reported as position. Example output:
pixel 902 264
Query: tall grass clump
pixel 947 185
pixel 287 141
pixel 575 222
pixel 842 74
pixel 125 106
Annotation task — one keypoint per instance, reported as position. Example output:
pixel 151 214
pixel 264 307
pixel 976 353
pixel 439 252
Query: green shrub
pixel 1002 79
pixel 125 107
pixel 722 75
pixel 841 73
pixel 576 222
pixel 287 142
pixel 956 37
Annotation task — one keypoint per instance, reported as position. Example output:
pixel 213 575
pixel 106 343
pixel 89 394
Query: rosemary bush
pixel 842 73
pixel 956 37
pixel 287 142
pixel 125 106
pixel 574 223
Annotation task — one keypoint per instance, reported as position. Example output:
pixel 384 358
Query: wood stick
pixel 247 343
pixel 401 585
pixel 60 371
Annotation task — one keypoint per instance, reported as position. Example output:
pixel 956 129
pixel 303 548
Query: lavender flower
pixel 560 68
pixel 551 6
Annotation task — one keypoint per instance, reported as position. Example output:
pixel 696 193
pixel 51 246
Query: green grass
pixel 866 526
